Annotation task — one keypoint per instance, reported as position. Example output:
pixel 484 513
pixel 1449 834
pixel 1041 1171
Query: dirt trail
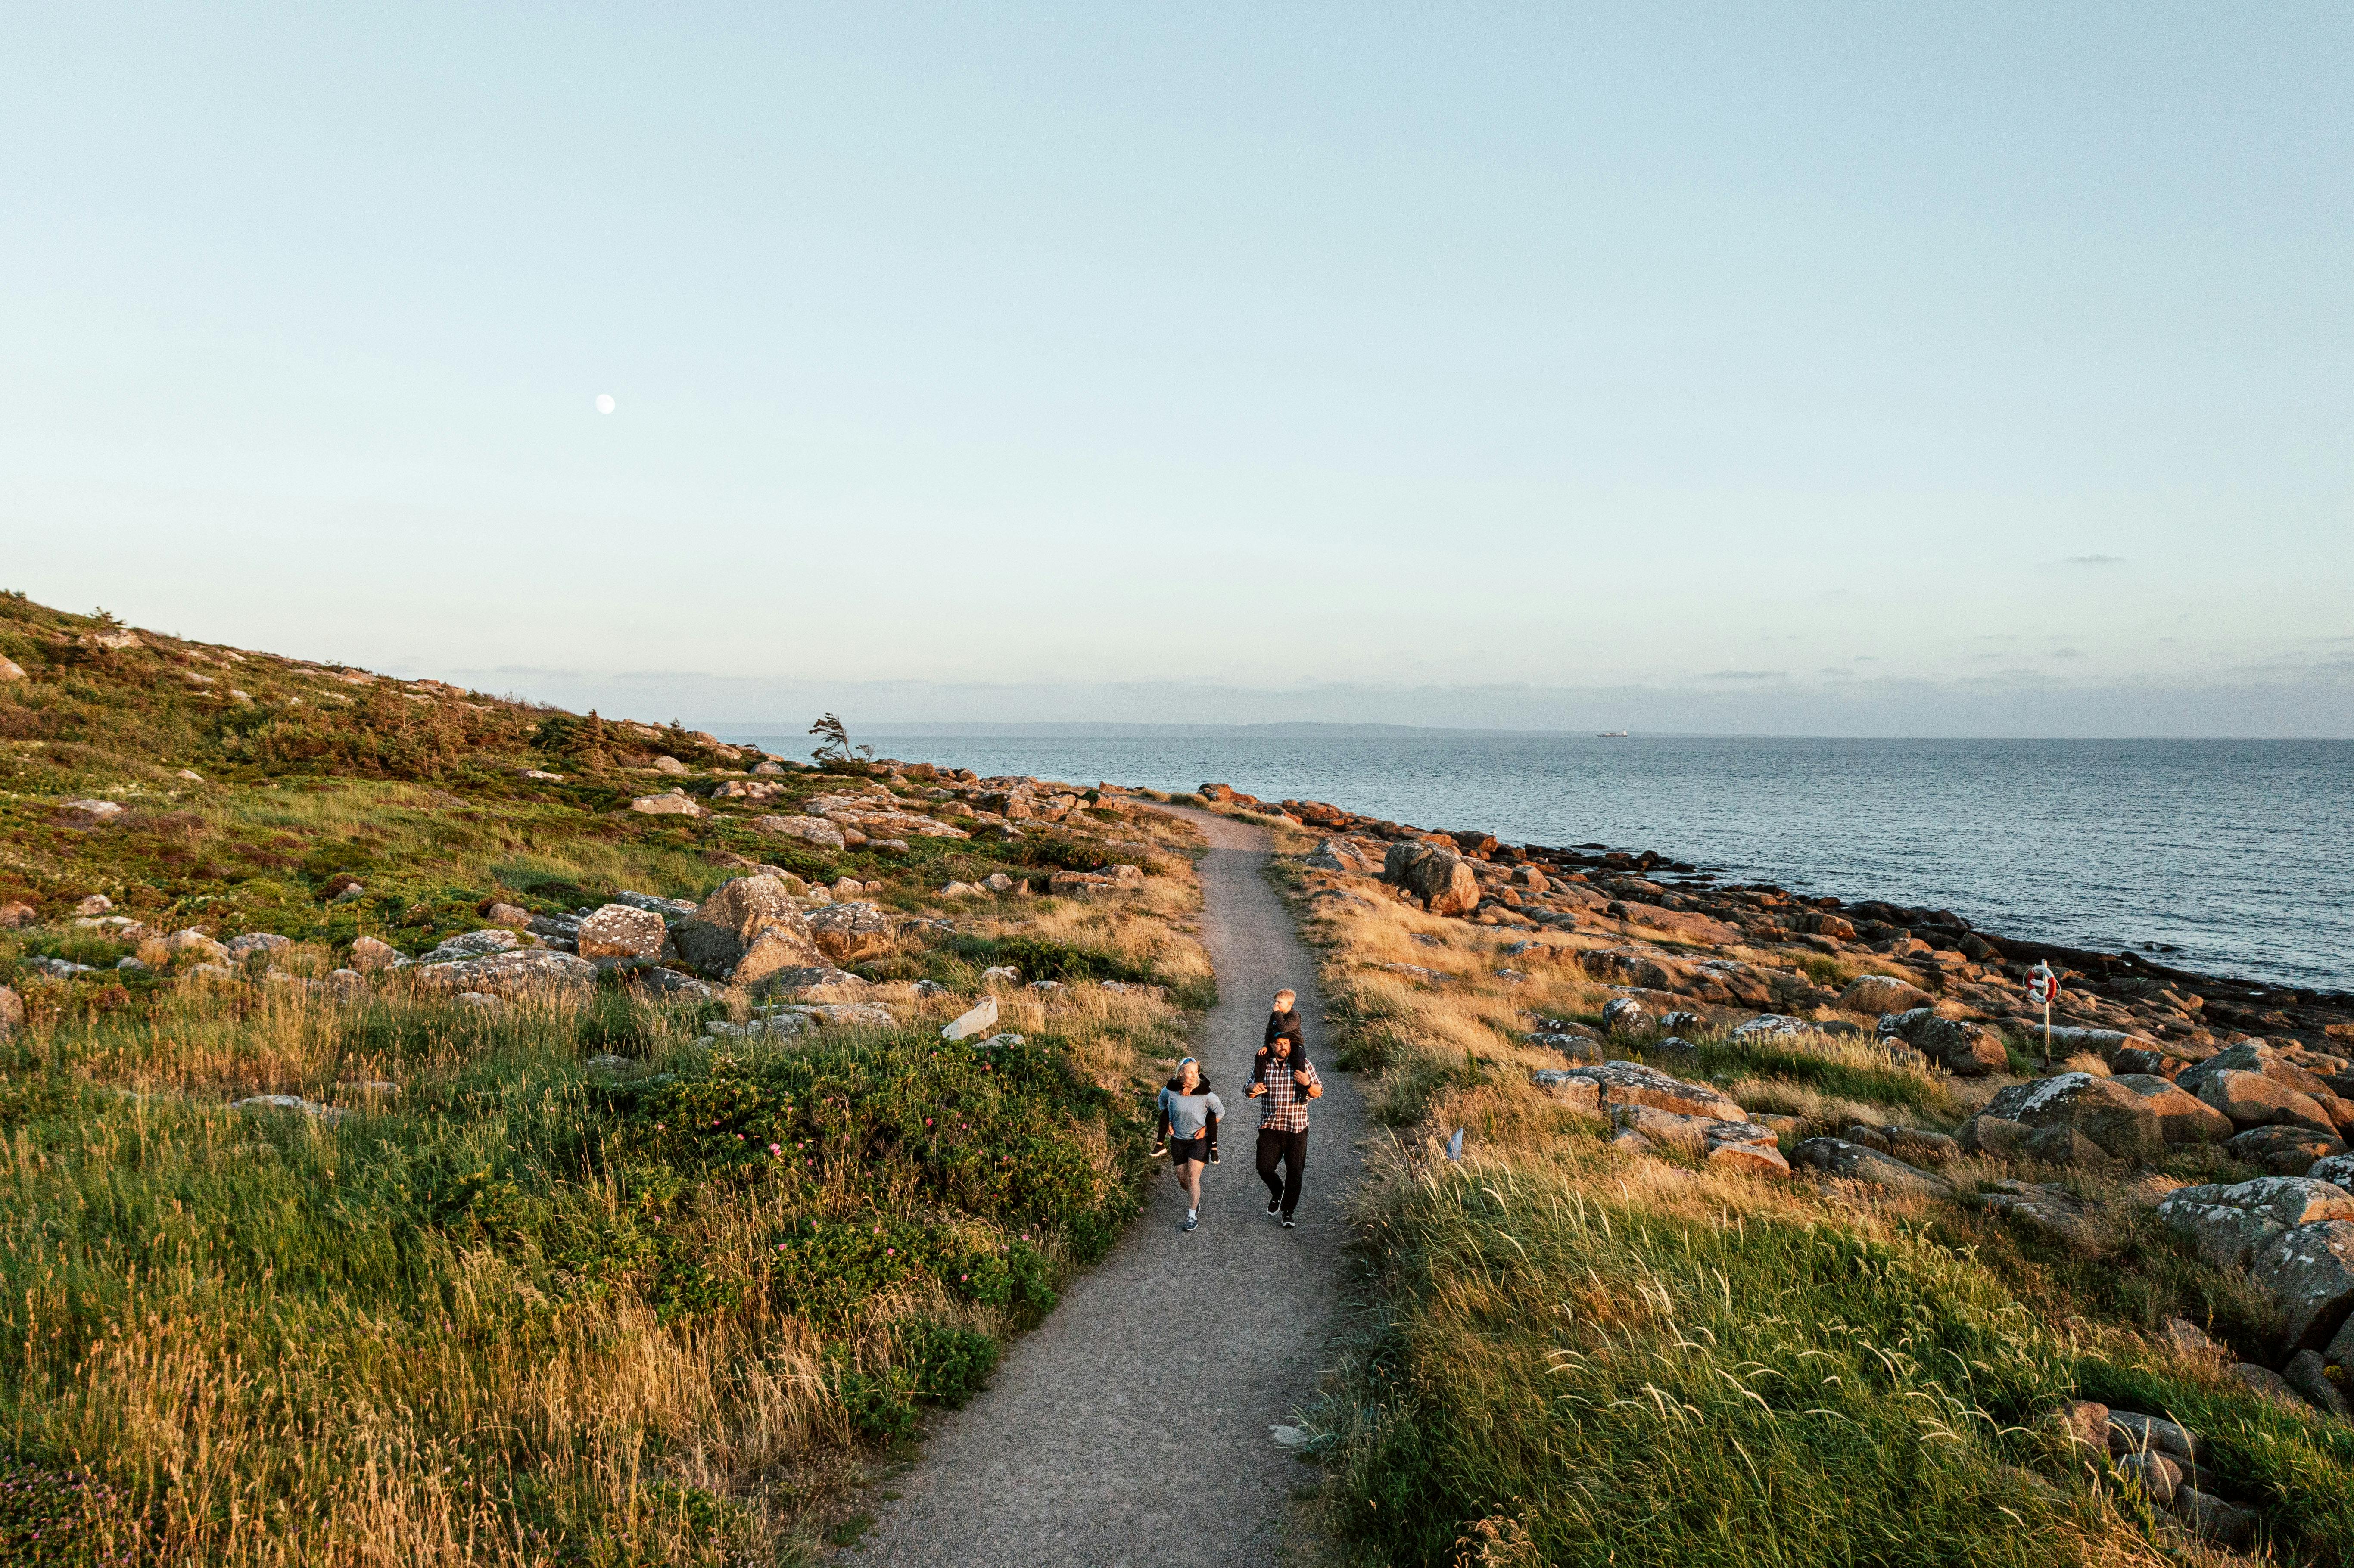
pixel 1132 1428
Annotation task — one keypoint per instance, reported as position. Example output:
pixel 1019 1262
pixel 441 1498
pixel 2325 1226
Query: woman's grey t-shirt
pixel 1189 1114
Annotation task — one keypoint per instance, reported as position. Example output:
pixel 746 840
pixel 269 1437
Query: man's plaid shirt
pixel 1283 1106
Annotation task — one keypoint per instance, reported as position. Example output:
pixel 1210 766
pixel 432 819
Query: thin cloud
pixel 1745 675
pixel 1834 670
pixel 2096 560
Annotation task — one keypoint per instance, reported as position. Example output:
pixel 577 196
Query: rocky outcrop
pixel 2284 1150
pixel 808 829
pixel 846 933
pixel 1437 878
pixel 509 973
pixel 1964 1050
pixel 1633 1084
pixel 1345 855
pixel 2230 1225
pixel 1882 993
pixel 2073 1118
pixel 2182 1116
pixel 676 803
pixel 748 916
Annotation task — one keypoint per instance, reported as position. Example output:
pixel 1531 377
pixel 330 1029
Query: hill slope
pixel 328 1239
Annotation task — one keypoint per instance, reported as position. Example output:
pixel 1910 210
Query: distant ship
pixel 1610 735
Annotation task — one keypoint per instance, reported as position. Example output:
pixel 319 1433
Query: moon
pixel 604 402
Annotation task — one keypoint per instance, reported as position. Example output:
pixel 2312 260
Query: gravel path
pixel 1132 1427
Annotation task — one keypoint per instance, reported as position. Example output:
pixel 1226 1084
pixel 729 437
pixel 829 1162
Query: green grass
pixel 552 1285
pixel 514 1310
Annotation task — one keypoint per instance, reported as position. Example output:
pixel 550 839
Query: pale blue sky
pixel 1828 369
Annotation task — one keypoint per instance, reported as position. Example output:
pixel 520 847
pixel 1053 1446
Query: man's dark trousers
pixel 1288 1149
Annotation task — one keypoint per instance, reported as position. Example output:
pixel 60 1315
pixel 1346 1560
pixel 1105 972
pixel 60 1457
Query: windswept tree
pixel 833 742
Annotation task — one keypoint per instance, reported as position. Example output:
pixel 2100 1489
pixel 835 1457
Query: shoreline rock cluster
pixel 2145 1063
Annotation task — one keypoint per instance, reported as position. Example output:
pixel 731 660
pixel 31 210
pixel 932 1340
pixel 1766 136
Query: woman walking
pixel 1189 1126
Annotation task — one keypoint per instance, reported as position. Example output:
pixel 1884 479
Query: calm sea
pixel 2228 856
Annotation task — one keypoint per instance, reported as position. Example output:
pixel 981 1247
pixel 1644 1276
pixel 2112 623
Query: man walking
pixel 1283 1081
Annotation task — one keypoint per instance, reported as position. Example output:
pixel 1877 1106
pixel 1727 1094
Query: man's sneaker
pixel 1192 1219
pixel 1287 1223
pixel 1274 1206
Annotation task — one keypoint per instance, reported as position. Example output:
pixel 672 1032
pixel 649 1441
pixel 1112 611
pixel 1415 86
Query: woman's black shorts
pixel 1195 1148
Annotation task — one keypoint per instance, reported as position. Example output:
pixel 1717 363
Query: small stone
pixel 998 882
pixel 1001 974
pixel 2308 1375
pixel 10 669
pixel 972 1022
pixel 671 764
pixel 2131 1432
pixel 350 893
pixel 2086 1422
pixel 96 903
pixel 2209 1516
pixel 930 988
pixel 191 775
pixel 2188 1337
pixel 1882 993
pixel 509 916
pixel 17 916
pixel 1625 1015
pixel 286 1103
pixel 2159 1475
pixel 370 953
pixel 94 811
pixel 2267 1385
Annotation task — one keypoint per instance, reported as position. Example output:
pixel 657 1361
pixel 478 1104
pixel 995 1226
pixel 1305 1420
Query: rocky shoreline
pixel 2149 1072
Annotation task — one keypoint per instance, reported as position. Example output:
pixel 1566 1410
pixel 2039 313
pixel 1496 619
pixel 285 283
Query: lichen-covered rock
pixel 1440 878
pixel 1625 1015
pixel 368 953
pixel 2047 1207
pixel 2309 1274
pixel 618 931
pixel 2182 1116
pixel 1746 1149
pixel 722 929
pixel 470 945
pixel 973 1021
pixel 2284 1150
pixel 2230 1225
pixel 2308 1375
pixel 1631 1082
pixel 2120 1123
pixel 1854 1162
pixel 846 933
pixel 1882 993
pixel 1582 1094
pixel 1964 1050
pixel 2256 1099
pixel 526 970
pixel 1343 855
pixel 674 804
pixel 1639 966
pixel 807 830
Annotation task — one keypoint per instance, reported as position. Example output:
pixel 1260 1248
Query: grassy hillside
pixel 1581 1351
pixel 571 1275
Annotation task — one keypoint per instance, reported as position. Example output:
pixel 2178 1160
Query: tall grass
pixel 515 1309
pixel 1576 1355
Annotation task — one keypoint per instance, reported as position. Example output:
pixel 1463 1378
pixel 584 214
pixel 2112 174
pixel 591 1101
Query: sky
pixel 1803 369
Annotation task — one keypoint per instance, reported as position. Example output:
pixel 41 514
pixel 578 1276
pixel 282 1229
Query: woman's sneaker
pixel 1287 1223
pixel 1274 1206
pixel 1192 1219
